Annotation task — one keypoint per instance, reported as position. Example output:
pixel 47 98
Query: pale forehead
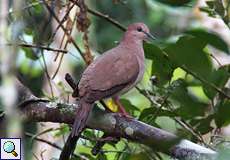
pixel 136 25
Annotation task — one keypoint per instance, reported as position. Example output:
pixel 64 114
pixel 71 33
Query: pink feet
pixel 121 108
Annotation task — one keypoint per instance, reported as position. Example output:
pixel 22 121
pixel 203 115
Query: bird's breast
pixel 140 59
pixel 141 62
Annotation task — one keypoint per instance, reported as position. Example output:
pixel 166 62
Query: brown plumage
pixel 112 74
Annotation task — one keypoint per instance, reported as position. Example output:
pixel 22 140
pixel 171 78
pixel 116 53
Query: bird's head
pixel 139 31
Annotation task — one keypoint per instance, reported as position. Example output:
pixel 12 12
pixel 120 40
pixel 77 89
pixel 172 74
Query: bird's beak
pixel 149 35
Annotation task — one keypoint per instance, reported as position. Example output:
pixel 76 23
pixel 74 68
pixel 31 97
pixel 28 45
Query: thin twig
pixel 62 55
pixel 35 156
pixel 37 46
pixel 144 93
pixel 190 129
pixel 42 152
pixel 161 106
pixel 43 140
pixel 47 75
pixel 108 18
pixel 59 66
pixel 104 16
pixel 70 38
pixel 218 62
pixel 205 81
pixel 62 40
pixel 63 19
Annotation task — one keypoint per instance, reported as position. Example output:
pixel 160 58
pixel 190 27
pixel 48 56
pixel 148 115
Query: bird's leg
pixel 120 106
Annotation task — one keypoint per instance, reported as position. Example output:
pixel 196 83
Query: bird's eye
pixel 139 29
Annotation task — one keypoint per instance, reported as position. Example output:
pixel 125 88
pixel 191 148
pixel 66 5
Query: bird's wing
pixel 110 73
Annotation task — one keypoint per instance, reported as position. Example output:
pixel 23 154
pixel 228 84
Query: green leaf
pixel 149 115
pixel 38 9
pixel 222 117
pixel 101 156
pixel 87 155
pixel 30 53
pixel 219 78
pixel 223 151
pixel 129 106
pixel 188 105
pixel 210 38
pixel 188 51
pixel 139 156
pixel 162 68
pixel 204 125
pixel 153 111
pixel 89 133
pixel 61 131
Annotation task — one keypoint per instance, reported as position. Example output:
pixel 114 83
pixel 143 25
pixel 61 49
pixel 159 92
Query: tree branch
pixel 108 18
pixel 115 125
pixel 37 46
pixel 104 16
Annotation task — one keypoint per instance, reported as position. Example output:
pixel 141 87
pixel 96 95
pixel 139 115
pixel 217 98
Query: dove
pixel 112 74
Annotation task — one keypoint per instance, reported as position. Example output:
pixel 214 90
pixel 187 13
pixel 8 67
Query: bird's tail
pixel 81 118
pixel 68 148
pixel 78 126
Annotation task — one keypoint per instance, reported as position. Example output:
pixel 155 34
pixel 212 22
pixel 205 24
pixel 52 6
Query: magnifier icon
pixel 9 147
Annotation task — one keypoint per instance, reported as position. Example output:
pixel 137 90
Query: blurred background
pixel 195 34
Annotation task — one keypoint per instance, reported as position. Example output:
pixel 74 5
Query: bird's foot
pixel 121 108
pixel 123 113
pixel 126 115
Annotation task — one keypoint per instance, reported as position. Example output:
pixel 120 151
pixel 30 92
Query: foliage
pixel 189 89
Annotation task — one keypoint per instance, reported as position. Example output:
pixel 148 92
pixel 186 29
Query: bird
pixel 112 74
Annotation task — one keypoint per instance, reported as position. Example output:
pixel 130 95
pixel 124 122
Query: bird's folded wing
pixel 112 70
